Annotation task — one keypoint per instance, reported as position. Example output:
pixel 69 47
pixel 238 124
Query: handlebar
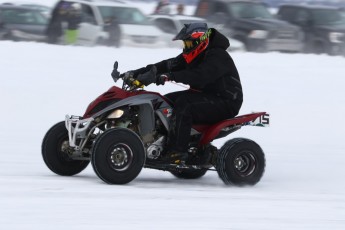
pixel 129 82
pixel 115 74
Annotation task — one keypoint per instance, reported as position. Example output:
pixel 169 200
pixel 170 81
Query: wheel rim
pixel 245 163
pixel 64 150
pixel 120 157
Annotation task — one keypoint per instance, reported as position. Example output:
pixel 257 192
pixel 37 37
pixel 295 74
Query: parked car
pixel 135 28
pixel 3 30
pixel 324 27
pixel 172 24
pixel 45 10
pixel 22 23
pixel 251 22
pixel 342 11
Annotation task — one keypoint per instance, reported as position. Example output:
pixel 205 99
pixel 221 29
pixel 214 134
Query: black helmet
pixel 189 29
pixel 195 37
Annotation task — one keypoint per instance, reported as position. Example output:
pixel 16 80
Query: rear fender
pixel 230 125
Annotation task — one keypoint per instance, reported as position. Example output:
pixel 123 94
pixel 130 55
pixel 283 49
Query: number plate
pixel 262 121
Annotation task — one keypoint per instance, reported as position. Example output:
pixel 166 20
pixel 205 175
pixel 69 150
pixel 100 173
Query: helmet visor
pixel 188 44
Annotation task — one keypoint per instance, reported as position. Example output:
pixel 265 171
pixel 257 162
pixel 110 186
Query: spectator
pixel 54 30
pixel 163 7
pixel 113 28
pixel 73 21
pixel 180 9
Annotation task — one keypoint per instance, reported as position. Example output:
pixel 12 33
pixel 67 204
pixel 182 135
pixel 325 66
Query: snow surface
pixel 303 186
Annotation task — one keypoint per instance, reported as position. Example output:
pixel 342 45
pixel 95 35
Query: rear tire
pixel 57 160
pixel 118 156
pixel 240 162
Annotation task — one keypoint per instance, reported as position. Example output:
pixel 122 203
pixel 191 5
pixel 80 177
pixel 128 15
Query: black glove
pixel 127 74
pixel 149 77
pixel 161 79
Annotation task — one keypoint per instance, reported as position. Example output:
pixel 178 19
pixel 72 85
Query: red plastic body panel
pixel 212 131
pixel 113 93
pixel 209 132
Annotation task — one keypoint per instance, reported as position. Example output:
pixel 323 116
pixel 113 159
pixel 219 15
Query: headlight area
pixel 336 37
pixel 126 117
pixel 116 114
pixel 115 119
pixel 258 34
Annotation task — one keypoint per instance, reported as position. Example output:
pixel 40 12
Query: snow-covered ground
pixel 303 186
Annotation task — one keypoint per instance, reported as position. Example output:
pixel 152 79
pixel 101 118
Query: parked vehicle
pixel 324 27
pixel 45 10
pixel 3 29
pixel 172 24
pixel 125 130
pixel 251 22
pixel 22 23
pixel 278 3
pixel 135 28
pixel 342 11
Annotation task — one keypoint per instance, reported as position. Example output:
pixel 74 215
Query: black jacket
pixel 213 71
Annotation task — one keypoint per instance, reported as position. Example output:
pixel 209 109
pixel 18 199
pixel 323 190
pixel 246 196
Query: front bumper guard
pixel 76 128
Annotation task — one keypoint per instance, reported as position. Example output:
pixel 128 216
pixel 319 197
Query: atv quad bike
pixel 124 130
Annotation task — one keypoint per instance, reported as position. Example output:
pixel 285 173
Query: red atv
pixel 124 130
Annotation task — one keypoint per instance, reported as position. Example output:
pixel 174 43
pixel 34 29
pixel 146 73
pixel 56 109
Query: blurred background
pixel 289 26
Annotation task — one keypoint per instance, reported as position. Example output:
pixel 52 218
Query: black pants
pixel 192 107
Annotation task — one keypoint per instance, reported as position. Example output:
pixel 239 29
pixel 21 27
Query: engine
pixel 156 148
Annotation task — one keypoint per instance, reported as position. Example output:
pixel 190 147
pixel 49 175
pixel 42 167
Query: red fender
pixel 212 131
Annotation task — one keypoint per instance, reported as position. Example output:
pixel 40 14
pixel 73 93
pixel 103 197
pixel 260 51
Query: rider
pixel 215 90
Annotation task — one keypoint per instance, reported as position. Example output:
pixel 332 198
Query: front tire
pixel 118 156
pixel 240 162
pixel 54 147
